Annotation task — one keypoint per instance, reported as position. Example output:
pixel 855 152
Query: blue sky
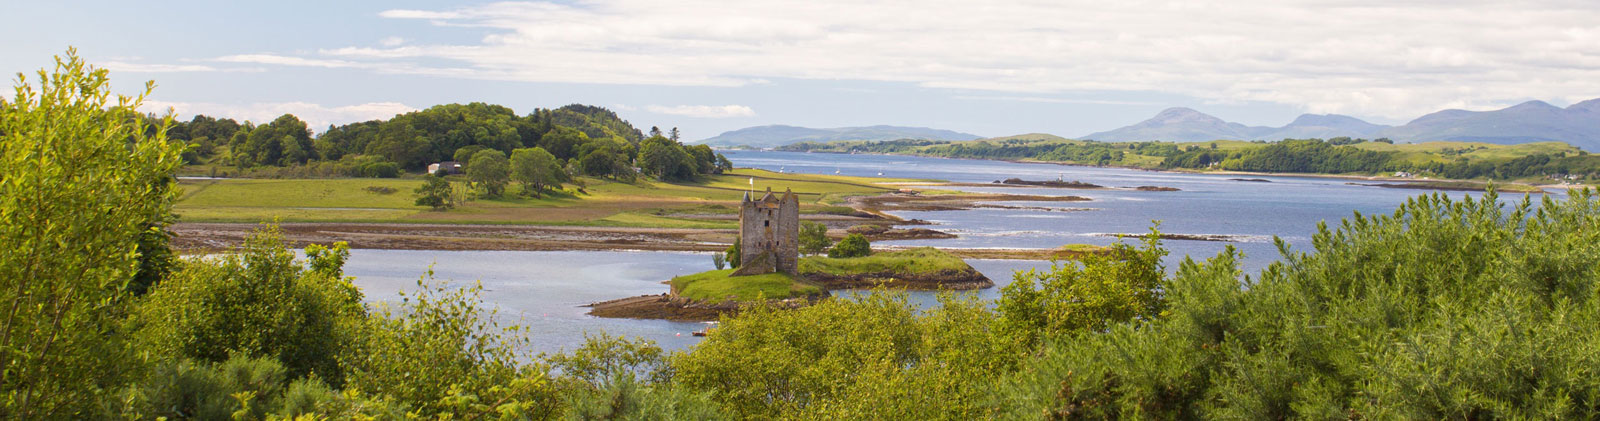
pixel 993 69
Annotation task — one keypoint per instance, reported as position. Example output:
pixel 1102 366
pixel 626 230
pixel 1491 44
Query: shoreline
pixel 1542 187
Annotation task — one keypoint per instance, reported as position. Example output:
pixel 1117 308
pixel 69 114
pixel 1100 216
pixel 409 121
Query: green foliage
pixel 870 357
pixel 920 260
pixel 435 192
pixel 719 260
pixel 81 181
pixel 733 254
pixel 257 302
pixel 535 169
pixel 1089 295
pixel 1442 309
pixel 667 160
pixel 238 388
pixel 814 238
pixel 489 172
pixel 853 245
pixel 616 378
pixel 438 354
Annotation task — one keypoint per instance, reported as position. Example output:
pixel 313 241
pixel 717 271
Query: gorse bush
pixel 1443 309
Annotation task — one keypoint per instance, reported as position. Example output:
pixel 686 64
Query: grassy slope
pixel 921 260
pixel 716 286
pixel 641 204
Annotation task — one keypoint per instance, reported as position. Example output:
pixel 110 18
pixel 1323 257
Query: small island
pixel 769 271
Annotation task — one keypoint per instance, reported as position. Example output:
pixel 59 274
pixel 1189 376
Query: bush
pixel 257 302
pixel 435 192
pixel 853 245
pixel 82 176
pixel 438 355
pixel 813 238
pixel 1442 309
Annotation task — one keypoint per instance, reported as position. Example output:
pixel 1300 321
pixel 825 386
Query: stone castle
pixel 769 234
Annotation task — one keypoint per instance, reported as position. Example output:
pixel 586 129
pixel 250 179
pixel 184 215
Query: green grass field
pixel 717 286
pixel 599 203
pixel 921 260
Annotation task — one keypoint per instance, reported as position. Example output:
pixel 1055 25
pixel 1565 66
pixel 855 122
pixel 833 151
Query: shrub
pixel 813 238
pixel 82 176
pixel 853 245
pixel 257 302
pixel 437 354
pixel 1442 309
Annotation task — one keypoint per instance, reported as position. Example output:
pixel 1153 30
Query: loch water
pixel 546 290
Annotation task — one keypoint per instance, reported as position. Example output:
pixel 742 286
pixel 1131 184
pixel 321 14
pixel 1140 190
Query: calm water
pixel 546 289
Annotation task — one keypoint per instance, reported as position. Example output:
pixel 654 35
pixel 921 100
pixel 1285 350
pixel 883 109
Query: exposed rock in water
pixel 1155 188
pixel 1252 180
pixel 1050 183
pixel 1191 237
pixel 949 279
pixel 667 307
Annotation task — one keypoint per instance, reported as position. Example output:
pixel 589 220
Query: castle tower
pixel 769 234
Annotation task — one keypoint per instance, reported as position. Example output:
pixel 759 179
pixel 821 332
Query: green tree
pixel 82 179
pixel 814 238
pixel 257 302
pixel 535 169
pixel 853 245
pixel 435 192
pixel 438 353
pixel 465 153
pixel 733 254
pixel 489 172
pixel 1091 294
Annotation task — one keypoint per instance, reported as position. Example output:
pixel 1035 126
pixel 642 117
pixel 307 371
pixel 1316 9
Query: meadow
pixel 588 201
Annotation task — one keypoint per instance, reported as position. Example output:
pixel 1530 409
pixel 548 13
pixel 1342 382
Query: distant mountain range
pixel 1533 121
pixel 777 135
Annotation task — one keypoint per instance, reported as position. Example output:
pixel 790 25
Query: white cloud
pixel 286 60
pixel 392 41
pixel 703 111
pixel 1364 57
pixel 118 66
pixel 316 116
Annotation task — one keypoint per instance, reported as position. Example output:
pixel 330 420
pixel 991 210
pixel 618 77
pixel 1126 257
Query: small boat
pixel 702 332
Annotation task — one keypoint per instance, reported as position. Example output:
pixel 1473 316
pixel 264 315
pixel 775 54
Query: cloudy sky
pixel 1062 67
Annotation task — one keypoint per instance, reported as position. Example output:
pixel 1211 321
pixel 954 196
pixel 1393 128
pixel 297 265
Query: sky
pixel 988 68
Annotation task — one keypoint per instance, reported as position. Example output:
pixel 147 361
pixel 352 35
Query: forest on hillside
pixel 583 139
pixel 1316 156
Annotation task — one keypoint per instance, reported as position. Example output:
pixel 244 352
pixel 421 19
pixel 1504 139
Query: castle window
pixel 766 223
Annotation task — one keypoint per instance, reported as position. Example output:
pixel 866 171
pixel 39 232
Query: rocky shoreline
pixel 951 279
pixel 669 307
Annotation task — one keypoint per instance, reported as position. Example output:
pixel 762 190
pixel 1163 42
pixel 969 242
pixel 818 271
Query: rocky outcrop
pixel 950 279
pixel 668 307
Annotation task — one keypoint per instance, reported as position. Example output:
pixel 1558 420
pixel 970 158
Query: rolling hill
pixel 779 135
pixel 1533 121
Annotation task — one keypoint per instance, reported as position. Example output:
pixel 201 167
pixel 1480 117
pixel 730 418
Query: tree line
pixel 1331 156
pixel 584 140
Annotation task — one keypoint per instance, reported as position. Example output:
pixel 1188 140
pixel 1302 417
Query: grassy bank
pixel 597 202
pixel 719 285
pixel 917 261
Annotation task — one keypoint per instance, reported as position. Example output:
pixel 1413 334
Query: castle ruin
pixel 769 234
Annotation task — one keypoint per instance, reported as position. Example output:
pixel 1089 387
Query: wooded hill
pixel 1341 155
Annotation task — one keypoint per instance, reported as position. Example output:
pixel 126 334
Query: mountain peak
pixel 779 135
pixel 1590 105
pixel 1183 114
pixel 1534 105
